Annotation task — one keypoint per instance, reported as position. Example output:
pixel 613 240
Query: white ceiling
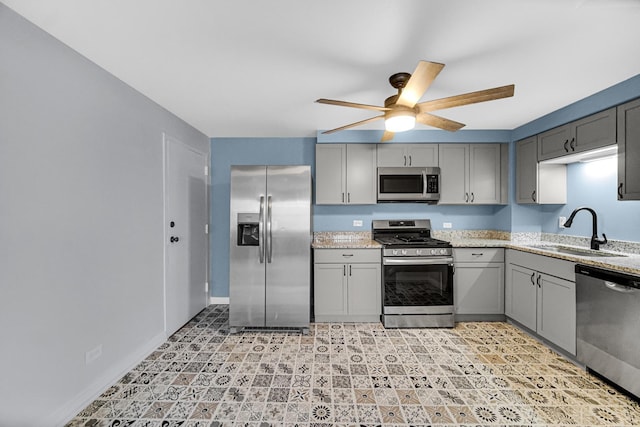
pixel 253 68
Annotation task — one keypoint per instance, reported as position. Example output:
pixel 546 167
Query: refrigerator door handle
pixel 269 234
pixel 261 231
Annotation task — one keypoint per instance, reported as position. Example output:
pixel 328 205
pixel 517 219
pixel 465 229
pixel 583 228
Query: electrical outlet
pixel 561 221
pixel 447 225
pixel 93 354
pixel 357 223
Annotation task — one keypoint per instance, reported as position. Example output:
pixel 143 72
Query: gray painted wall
pixel 81 225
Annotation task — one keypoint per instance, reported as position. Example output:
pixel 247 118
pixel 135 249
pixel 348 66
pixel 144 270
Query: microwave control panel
pixel 432 184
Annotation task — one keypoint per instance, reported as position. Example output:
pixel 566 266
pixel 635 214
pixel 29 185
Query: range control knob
pixel 418 251
pixel 404 252
pixel 434 251
pixel 443 251
pixel 395 251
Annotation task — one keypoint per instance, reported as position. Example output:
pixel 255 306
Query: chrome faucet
pixel 595 242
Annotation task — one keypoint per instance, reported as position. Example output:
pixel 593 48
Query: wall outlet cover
pixel 447 225
pixel 357 223
pixel 561 221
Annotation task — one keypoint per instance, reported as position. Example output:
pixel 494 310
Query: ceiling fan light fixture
pixel 399 120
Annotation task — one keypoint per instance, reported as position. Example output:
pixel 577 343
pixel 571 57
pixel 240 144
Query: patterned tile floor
pixel 356 374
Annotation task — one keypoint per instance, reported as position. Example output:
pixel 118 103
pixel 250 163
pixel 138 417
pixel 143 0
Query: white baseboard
pixel 219 300
pixel 66 413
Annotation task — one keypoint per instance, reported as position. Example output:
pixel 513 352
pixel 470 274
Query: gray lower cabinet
pixel 345 174
pixel 540 294
pixel 629 151
pixel 538 183
pixel 478 283
pixel 347 285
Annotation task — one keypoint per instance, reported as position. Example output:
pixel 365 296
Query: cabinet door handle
pixel 409 160
pixel 532 276
pixel 466 197
pixel 344 270
pixel 348 197
pixel 342 197
pixel 572 144
pixel 472 197
pixel 566 141
pixel 347 255
pixel 405 160
pixel 349 270
pixel 538 281
pixel 480 254
pixel 533 195
pixel 620 195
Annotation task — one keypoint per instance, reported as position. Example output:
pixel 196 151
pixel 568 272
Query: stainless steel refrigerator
pixel 270 248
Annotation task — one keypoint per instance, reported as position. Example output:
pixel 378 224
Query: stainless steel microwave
pixel 409 184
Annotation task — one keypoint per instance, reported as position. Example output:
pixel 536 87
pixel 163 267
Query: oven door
pixel 414 285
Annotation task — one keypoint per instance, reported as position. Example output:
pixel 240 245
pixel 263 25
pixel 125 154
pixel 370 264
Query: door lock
pixel 174 239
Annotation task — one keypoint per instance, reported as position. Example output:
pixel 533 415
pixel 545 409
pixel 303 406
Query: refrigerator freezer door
pixel 246 273
pixel 288 247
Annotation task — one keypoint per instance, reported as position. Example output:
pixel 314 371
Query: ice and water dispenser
pixel 248 229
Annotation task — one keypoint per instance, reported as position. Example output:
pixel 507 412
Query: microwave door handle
pixel 424 184
pixel 261 231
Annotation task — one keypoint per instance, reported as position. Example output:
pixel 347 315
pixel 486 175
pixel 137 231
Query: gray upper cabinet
pixel 595 131
pixel 470 174
pixel 345 174
pixel 629 151
pixel 538 183
pixel 400 155
pixel 554 143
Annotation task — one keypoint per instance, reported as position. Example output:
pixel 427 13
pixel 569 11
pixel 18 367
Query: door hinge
pixel 206 229
pixel 206 170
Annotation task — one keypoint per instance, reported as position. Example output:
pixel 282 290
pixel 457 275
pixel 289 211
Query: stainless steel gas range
pixel 417 275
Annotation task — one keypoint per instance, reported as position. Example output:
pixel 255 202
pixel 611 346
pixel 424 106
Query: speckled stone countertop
pixel 629 262
pixel 344 240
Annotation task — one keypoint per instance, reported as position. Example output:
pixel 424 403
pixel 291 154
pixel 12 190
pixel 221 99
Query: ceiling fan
pixel 401 111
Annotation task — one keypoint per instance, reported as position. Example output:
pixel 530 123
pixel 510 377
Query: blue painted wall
pixel 594 184
pixel 590 184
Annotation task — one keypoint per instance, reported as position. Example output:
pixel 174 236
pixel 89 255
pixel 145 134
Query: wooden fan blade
pixel 422 77
pixel 467 98
pixel 438 122
pixel 387 136
pixel 351 104
pixel 361 122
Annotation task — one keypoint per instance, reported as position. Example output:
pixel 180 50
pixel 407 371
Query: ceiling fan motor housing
pixel 399 80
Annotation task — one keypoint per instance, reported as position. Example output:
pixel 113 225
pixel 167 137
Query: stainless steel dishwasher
pixel 608 325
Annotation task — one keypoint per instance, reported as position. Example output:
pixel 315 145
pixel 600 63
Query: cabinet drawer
pixel 349 256
pixel 544 264
pixel 478 255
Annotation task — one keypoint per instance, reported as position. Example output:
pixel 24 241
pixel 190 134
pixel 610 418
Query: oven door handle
pixel 417 261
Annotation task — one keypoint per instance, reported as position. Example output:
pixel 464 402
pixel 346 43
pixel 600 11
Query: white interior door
pixel 186 240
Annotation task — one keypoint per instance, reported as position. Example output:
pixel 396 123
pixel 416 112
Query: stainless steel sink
pixel 570 250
